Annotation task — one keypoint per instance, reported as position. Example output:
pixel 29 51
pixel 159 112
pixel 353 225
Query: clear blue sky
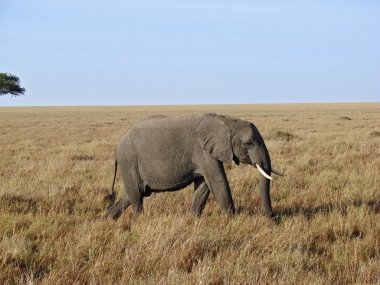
pixel 93 52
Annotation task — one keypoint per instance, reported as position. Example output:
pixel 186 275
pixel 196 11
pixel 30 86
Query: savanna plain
pixel 57 163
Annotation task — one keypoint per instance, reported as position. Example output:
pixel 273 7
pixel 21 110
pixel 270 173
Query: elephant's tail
pixel 111 197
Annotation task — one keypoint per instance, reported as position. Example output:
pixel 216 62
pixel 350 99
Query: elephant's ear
pixel 214 137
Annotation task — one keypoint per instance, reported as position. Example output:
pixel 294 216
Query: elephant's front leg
pixel 201 193
pixel 216 179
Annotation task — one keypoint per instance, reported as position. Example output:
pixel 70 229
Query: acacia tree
pixel 10 84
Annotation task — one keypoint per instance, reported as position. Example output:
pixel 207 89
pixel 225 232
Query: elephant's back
pixel 161 132
pixel 161 123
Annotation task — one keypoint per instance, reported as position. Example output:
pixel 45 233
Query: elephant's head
pixel 230 139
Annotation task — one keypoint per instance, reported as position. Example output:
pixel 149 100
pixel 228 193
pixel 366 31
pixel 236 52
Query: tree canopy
pixel 10 84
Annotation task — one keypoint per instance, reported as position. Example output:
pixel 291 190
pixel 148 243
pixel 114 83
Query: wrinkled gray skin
pixel 167 154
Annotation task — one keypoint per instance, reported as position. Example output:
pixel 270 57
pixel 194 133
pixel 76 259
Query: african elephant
pixel 167 154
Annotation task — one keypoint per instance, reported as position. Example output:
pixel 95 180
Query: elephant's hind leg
pixel 131 194
pixel 200 197
pixel 132 191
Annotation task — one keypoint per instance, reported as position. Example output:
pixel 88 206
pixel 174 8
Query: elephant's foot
pixel 230 209
pixel 138 208
pixel 116 210
pixel 274 217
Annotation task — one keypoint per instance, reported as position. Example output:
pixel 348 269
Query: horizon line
pixel 193 104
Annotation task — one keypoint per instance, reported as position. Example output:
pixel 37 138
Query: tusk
pixel 263 172
pixel 275 171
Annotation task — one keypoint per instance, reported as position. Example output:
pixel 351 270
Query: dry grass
pixel 56 165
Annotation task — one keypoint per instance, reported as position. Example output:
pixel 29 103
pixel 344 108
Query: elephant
pixel 162 153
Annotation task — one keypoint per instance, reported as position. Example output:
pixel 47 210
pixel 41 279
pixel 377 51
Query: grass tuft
pixel 375 134
pixel 82 157
pixel 282 135
pixel 345 118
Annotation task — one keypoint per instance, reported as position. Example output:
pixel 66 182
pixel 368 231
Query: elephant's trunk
pixel 264 183
pixel 264 188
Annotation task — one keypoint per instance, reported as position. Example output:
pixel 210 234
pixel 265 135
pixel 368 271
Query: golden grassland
pixel 56 166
